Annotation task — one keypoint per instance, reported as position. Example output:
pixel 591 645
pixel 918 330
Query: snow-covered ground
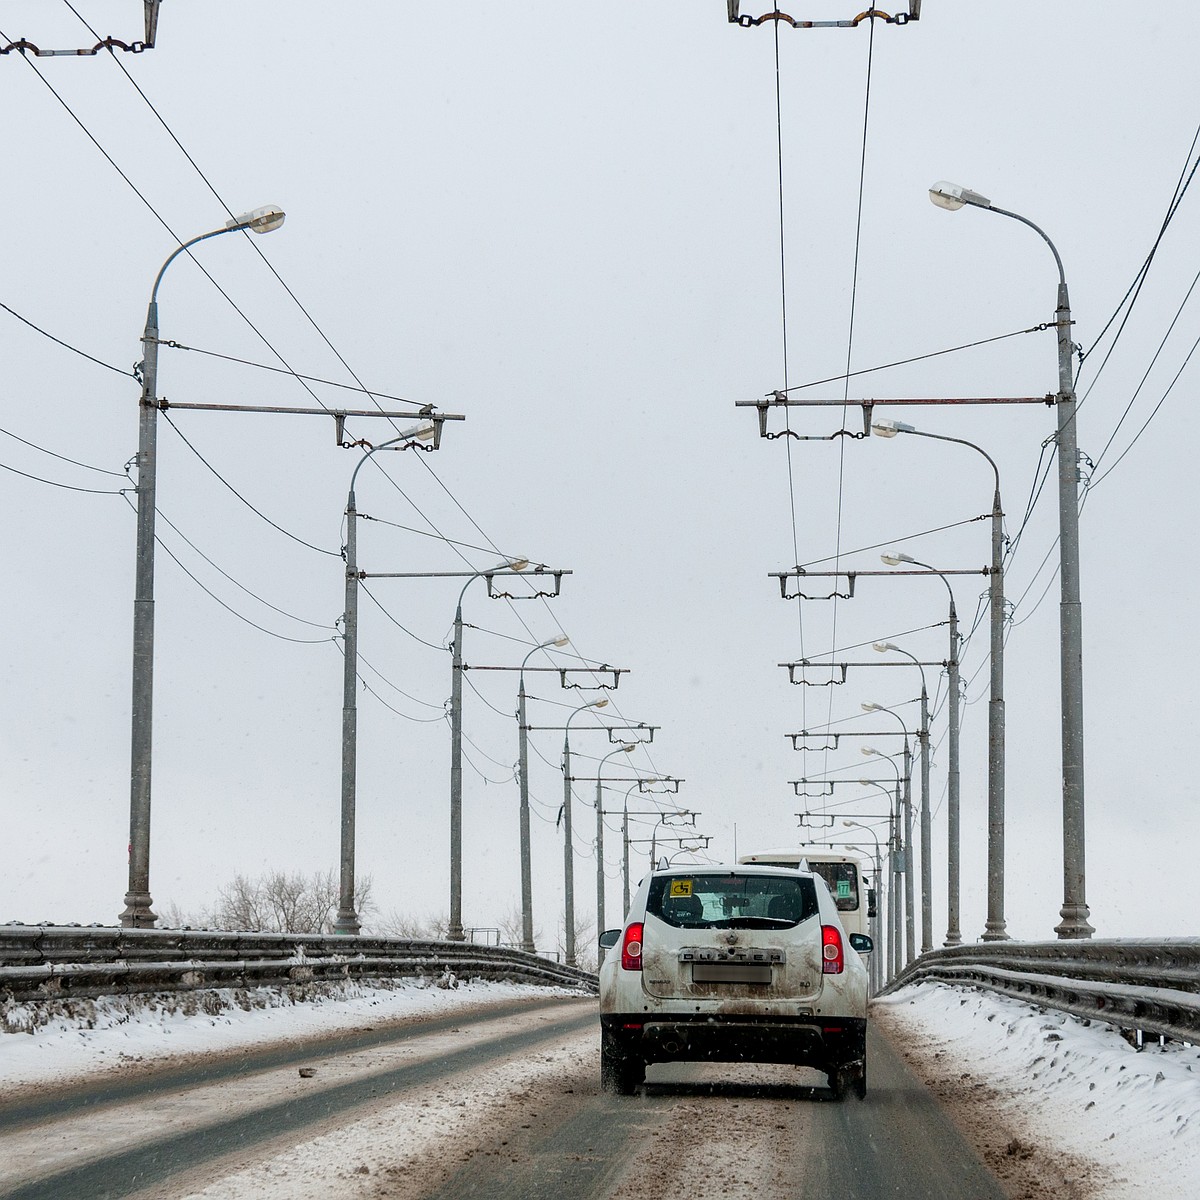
pixel 1075 1090
pixel 94 1037
pixel 1081 1090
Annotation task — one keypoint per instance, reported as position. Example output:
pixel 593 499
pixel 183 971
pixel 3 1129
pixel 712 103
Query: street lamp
pixel 568 847
pixel 626 748
pixel 523 770
pixel 137 913
pixel 953 828
pixel 876 923
pixel 1074 912
pixel 347 918
pixel 994 930
pixel 909 883
pixel 455 931
pixel 926 817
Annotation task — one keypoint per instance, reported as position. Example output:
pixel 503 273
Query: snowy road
pixel 501 1102
pixel 490 1090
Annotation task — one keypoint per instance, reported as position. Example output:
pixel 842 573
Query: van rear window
pixel 842 881
pixel 706 900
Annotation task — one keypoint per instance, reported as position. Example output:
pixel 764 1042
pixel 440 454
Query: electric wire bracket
pixel 737 17
pixel 24 46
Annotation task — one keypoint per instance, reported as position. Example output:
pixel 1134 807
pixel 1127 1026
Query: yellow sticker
pixel 681 887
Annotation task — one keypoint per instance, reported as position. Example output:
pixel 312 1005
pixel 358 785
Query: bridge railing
pixel 1152 986
pixel 42 962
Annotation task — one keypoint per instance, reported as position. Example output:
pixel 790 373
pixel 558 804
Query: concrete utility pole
pixel 568 847
pixel 626 748
pixel 347 921
pixel 523 771
pixel 138 913
pixel 953 807
pixel 455 931
pixel 910 934
pixel 895 937
pixel 1075 912
pixel 994 930
pixel 876 924
pixel 926 820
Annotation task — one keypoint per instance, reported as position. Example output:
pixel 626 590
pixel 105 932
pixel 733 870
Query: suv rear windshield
pixel 730 901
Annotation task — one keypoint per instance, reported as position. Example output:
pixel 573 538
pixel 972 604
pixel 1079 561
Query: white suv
pixel 733 964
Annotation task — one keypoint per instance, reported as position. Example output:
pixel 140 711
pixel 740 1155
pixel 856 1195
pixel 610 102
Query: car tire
pixel 849 1079
pixel 620 1071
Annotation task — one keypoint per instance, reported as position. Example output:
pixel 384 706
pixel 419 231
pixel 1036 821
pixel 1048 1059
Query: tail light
pixel 631 948
pixel 833 958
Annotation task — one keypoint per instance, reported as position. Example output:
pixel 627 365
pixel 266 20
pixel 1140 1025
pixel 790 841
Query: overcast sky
pixel 563 221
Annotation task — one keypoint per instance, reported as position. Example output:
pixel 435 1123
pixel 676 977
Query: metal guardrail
pixel 42 962
pixel 1152 986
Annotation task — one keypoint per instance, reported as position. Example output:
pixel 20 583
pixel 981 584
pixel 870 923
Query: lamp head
pixel 598 703
pixel 887 428
pixel 883 647
pixel 868 706
pixel 517 564
pixel 559 641
pixel 867 750
pixel 421 432
pixel 258 220
pixel 895 559
pixel 952 196
pixel 628 747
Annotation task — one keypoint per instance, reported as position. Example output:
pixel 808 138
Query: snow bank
pixel 1079 1087
pixel 73 1039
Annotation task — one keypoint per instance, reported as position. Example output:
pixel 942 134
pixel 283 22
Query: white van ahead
pixel 846 876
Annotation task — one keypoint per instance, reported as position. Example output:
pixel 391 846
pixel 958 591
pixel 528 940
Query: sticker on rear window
pixel 843 889
pixel 681 887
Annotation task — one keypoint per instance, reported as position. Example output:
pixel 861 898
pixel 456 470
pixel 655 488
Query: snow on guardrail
pixel 1135 984
pixel 39 962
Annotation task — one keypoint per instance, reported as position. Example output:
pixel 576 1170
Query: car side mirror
pixel 609 938
pixel 862 943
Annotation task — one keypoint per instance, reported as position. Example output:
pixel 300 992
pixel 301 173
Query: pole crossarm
pixel 850 577
pixel 680 841
pixel 539 570
pixel 574 728
pixel 640 727
pixel 864 816
pixel 652 812
pixel 862 733
pixel 835 667
pixel 339 416
pixel 639 780
pixel 797 784
pixel 783 400
pixel 670 790
pixel 737 17
pixel 819 820
pixel 24 46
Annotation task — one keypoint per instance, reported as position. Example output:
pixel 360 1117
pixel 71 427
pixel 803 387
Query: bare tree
pixel 171 916
pixel 281 903
pixel 402 925
pixel 587 952
pixel 512 928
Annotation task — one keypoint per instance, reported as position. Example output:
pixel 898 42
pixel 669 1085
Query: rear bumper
pixel 825 1043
